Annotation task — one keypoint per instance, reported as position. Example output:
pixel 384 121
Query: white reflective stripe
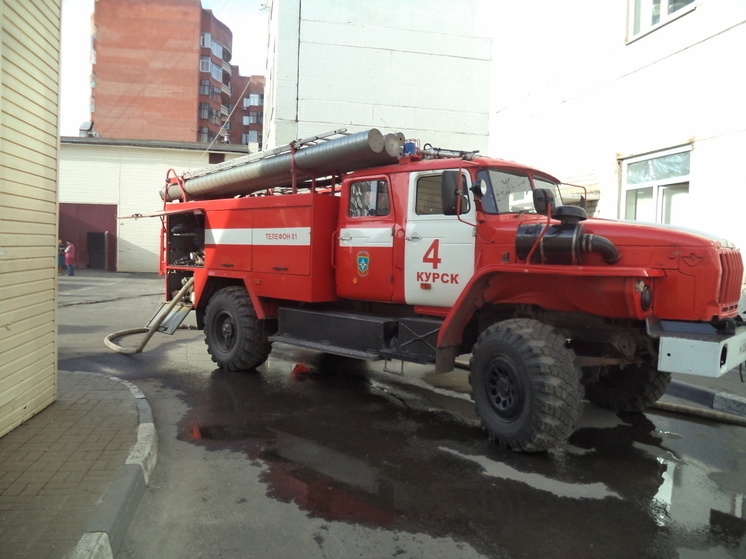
pixel 228 236
pixel 280 236
pixel 296 236
pixel 361 237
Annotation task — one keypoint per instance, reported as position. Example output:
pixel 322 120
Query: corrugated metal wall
pixel 29 81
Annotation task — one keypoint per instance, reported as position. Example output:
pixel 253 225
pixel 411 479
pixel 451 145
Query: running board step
pixel 359 335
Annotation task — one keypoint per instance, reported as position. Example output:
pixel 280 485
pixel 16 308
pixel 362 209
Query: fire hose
pixel 149 331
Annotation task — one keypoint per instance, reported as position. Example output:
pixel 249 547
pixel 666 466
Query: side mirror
pixel 449 192
pixel 543 198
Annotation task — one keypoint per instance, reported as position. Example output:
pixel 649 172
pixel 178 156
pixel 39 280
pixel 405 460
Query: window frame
pixel 660 187
pixel 664 19
pixel 381 186
pixel 424 205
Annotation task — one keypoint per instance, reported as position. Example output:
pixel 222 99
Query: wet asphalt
pixel 341 459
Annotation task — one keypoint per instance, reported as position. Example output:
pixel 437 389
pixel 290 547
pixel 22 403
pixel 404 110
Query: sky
pixel 245 18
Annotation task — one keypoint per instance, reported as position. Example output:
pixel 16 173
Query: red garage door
pixel 93 230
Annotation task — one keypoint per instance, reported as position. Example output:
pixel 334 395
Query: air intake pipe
pixel 564 243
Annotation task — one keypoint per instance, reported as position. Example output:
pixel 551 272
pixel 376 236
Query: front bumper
pixel 697 349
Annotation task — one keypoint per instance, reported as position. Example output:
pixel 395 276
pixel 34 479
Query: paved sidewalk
pixel 71 476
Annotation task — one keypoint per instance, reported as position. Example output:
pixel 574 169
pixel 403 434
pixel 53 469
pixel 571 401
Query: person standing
pixel 60 256
pixel 70 258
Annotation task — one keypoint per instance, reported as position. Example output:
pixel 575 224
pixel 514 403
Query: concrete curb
pixel 105 533
pixel 720 401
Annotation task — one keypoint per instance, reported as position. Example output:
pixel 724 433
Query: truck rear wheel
pixel 525 386
pixel 233 334
pixel 631 389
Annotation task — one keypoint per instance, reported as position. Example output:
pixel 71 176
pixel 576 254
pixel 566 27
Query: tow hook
pixel 724 326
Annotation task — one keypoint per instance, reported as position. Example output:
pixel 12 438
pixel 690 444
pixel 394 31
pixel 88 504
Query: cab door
pixel 439 249
pixel 365 240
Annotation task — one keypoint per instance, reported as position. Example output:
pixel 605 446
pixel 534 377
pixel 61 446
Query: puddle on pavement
pixel 653 486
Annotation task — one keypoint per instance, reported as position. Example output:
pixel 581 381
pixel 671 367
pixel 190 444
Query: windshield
pixel 511 192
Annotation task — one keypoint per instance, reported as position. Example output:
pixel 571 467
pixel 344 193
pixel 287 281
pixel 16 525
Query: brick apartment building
pixel 162 71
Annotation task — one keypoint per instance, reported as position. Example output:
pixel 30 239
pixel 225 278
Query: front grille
pixel 731 280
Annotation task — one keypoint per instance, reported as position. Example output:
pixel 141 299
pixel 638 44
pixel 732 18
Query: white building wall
pixel 419 67
pixel 579 98
pixel 131 178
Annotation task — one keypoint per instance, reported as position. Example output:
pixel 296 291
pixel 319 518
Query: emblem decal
pixel 692 259
pixel 363 263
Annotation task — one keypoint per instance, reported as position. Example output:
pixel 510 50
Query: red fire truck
pixel 373 247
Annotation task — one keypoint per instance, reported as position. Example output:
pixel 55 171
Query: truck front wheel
pixel 631 389
pixel 233 334
pixel 525 387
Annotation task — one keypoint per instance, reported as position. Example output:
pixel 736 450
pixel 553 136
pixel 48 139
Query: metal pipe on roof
pixel 334 157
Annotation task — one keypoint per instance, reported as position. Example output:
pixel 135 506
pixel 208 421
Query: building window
pixel 646 15
pixel 656 187
pixel 205 40
pixel 205 64
pixel 217 72
pixel 217 49
pixel 204 111
pixel 254 117
pixel 204 87
pixel 205 136
pixel 255 99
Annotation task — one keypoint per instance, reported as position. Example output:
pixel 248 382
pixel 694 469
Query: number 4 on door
pixel 431 254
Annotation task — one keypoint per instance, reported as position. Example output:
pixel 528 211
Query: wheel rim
pixel 503 388
pixel 225 329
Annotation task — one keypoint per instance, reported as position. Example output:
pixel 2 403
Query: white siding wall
pixel 131 178
pixel 576 98
pixel 420 67
pixel 29 79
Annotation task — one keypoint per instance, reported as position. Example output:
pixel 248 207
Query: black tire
pixel 632 389
pixel 233 334
pixel 525 386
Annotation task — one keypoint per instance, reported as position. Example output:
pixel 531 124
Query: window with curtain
pixel 656 187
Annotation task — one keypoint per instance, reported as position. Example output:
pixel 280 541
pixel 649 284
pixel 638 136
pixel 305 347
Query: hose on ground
pixel 701 412
pixel 108 340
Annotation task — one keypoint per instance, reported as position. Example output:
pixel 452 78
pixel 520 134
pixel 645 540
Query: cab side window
pixel 429 196
pixel 369 198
